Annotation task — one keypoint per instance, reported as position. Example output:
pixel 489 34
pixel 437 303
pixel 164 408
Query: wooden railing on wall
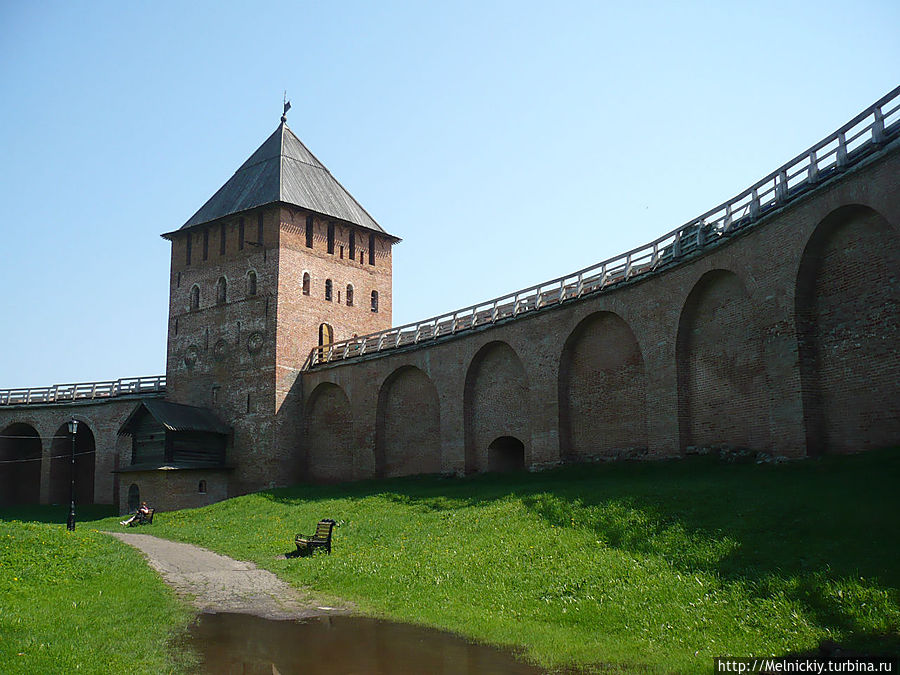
pixel 853 142
pixel 80 391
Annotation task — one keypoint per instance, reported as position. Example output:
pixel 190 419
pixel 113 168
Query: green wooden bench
pixel 321 539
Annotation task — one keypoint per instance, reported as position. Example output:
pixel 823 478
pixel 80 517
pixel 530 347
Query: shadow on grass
pixel 810 530
pixel 56 513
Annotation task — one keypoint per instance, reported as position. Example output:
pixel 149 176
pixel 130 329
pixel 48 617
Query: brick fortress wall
pixel 781 340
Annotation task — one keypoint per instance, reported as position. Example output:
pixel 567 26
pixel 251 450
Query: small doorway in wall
pixel 506 453
pixel 134 497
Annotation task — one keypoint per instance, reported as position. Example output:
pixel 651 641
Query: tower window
pixel 241 234
pixel 221 291
pixel 222 239
pixel 349 295
pixel 195 298
pixel 328 290
pixel 331 237
pixel 259 229
pixel 342 252
pixel 205 244
pixel 352 246
pixel 251 283
pixel 306 283
pixel 309 231
pixel 374 301
pixel 188 249
pixel 371 249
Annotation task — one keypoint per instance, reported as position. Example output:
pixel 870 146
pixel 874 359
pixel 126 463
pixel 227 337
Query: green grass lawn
pixel 659 565
pixel 643 566
pixel 81 602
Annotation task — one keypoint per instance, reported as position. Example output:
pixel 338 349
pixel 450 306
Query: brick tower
pixel 280 260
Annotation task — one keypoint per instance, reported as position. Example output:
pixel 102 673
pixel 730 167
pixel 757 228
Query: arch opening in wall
pixel 201 487
pixel 495 402
pixel 20 471
pixel 61 465
pixel 251 283
pixel 721 377
pixel 134 498
pixel 602 390
pixel 848 338
pixel 407 425
pixel 326 334
pixel 221 291
pixel 329 435
pixel 505 454
pixel 328 290
pixel 349 295
pixel 374 301
pixel 306 283
pixel 195 298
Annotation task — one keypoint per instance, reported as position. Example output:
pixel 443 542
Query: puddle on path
pixel 250 645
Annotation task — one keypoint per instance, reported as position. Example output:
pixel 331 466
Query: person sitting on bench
pixel 140 514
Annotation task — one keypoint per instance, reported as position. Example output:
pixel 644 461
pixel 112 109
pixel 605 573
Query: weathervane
pixel 287 106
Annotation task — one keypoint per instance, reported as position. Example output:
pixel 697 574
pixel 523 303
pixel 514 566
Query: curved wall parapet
pixel 783 341
pixel 84 391
pixel 852 144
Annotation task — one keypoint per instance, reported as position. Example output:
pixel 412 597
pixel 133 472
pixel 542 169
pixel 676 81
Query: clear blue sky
pixel 519 140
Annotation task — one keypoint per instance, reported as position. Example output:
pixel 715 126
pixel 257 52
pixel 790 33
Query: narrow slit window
pixel 241 234
pixel 306 283
pixel 331 237
pixel 221 291
pixel 328 290
pixel 205 244
pixel 251 283
pixel 259 229
pixel 349 295
pixel 309 231
pixel 352 245
pixel 188 242
pixel 222 239
pixel 371 249
pixel 374 301
pixel 195 298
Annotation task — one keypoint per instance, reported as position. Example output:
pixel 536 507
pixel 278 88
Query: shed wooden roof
pixel 176 417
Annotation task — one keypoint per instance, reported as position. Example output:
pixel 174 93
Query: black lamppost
pixel 73 429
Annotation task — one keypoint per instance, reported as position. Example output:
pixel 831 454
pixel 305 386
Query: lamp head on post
pixel 73 430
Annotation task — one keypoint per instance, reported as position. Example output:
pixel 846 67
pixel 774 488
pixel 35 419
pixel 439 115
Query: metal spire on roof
pixel 287 106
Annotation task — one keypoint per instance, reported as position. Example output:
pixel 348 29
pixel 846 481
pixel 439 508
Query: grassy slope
pixel 81 602
pixel 658 564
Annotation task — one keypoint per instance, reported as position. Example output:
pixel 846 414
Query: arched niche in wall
pixel 602 389
pixel 495 402
pixel 407 425
pixel 61 465
pixel 329 434
pixel 20 472
pixel 722 393
pixel 848 334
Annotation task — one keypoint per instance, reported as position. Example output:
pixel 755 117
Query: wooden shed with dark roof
pixel 173 435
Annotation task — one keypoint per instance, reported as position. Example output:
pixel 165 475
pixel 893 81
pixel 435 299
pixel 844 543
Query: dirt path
pixel 217 583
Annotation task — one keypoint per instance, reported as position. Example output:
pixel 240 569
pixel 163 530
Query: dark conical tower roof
pixel 284 170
